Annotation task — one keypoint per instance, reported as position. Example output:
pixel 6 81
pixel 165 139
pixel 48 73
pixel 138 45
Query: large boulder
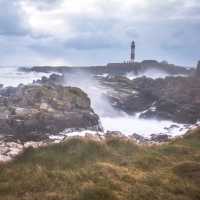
pixel 53 79
pixel 43 109
pixel 176 98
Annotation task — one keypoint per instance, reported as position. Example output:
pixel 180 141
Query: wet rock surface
pixel 10 146
pixel 54 79
pixel 38 115
pixel 35 110
pixel 154 139
pixel 171 98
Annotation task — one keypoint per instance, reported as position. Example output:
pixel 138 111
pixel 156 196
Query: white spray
pixel 112 119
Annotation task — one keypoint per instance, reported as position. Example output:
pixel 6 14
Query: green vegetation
pixel 114 169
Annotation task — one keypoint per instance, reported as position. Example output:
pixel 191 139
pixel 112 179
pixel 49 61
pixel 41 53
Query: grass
pixel 114 169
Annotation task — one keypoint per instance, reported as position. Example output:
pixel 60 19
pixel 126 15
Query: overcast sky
pixel 92 32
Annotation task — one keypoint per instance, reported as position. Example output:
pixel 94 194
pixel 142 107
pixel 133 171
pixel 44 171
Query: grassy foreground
pixel 83 169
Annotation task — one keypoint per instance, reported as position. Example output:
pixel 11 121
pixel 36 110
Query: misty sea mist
pixel 12 76
pixel 116 120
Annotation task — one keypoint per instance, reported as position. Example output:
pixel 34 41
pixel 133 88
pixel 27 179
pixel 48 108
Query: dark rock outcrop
pixel 198 69
pixel 154 138
pixel 54 79
pixel 174 98
pixel 116 69
pixel 36 109
pixel 159 138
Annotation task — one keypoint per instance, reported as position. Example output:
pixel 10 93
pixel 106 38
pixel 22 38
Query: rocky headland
pixel 173 98
pixel 117 69
pixel 31 114
pixel 41 109
pixel 176 97
pixel 48 111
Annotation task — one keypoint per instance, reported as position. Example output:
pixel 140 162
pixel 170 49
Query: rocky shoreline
pixel 30 113
pixel 40 109
pixel 48 111
pixel 116 69
pixel 172 98
pixel 11 146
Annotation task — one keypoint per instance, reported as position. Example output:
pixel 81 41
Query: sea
pixel 111 119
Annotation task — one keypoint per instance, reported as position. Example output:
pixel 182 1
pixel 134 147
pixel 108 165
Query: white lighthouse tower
pixel 132 51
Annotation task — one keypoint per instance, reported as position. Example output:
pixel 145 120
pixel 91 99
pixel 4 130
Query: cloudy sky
pixel 89 32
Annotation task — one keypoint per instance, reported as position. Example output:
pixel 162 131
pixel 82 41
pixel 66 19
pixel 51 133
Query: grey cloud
pixel 11 19
pixel 185 34
pixel 95 33
pixel 46 4
pixel 165 8
pixel 193 11
pixel 98 40
pixel 90 42
pixel 102 34
pixel 49 46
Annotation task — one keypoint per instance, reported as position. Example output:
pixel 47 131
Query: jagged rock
pixel 139 138
pixel 52 80
pixel 114 134
pixel 159 138
pixel 37 110
pixel 173 98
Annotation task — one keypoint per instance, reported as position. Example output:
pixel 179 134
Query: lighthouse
pixel 132 51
